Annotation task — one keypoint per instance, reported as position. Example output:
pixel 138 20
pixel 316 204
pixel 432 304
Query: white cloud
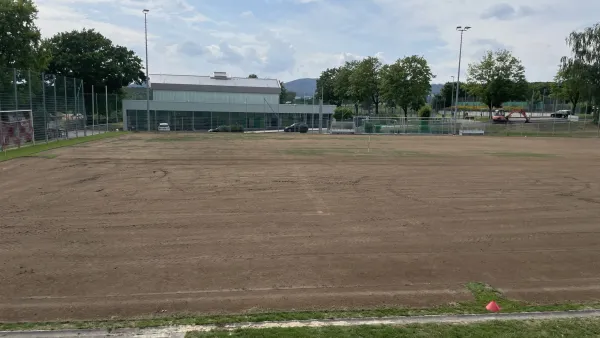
pixel 300 38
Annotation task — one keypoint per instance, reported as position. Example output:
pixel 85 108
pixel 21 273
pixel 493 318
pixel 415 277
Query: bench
pixel 471 132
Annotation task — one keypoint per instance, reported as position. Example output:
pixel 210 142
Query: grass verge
pixel 482 294
pixel 38 148
pixel 576 328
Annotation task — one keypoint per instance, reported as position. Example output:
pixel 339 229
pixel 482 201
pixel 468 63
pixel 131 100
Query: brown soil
pixel 160 224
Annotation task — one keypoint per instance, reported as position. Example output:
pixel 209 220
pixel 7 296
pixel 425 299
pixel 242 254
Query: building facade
pixel 195 103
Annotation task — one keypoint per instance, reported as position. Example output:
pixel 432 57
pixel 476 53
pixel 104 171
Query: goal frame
pixel 29 118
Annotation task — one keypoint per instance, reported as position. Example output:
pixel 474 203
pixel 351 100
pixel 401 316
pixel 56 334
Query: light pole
pixel 462 30
pixel 452 96
pixel 147 73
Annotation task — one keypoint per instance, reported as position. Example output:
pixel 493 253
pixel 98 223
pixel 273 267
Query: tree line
pixel 86 55
pixel 496 78
pixel 404 84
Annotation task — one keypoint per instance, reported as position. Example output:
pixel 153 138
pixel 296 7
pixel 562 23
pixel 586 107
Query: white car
pixel 164 127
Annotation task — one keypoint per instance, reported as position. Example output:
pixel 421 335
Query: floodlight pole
pixel 462 30
pixel 452 96
pixel 147 73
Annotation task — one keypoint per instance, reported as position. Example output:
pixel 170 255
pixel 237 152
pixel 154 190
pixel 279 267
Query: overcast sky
pixel 290 39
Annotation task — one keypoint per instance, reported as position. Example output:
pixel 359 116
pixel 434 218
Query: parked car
pixel 296 127
pixel 561 114
pixel 228 129
pixel 219 129
pixel 164 127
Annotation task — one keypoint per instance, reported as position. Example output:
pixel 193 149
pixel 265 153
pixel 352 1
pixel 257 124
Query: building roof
pixel 215 83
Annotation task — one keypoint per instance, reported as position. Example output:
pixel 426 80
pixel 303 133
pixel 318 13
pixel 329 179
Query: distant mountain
pixel 302 86
pixel 436 88
pixel 308 87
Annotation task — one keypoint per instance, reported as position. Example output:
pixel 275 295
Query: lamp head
pixel 145 11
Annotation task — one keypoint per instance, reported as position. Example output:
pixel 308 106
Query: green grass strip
pixel 482 294
pixel 570 328
pixel 41 147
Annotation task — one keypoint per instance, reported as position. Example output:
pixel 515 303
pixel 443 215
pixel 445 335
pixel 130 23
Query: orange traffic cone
pixel 492 307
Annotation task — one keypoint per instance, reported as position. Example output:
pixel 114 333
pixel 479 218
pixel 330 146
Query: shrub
pixel 236 129
pixel 425 111
pixel 369 127
pixel 341 113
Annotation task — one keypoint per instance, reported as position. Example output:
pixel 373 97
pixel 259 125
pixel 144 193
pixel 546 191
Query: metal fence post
pixel 106 105
pixel 93 110
pixel 16 91
pixel 44 104
pixel 55 109
pixel 117 109
pixel 29 83
pixel 84 110
pixel 66 109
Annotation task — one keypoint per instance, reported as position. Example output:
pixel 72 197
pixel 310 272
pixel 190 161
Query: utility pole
pixel 147 72
pixel 452 96
pixel 462 30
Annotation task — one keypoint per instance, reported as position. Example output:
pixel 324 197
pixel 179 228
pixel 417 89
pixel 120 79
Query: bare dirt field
pixel 162 224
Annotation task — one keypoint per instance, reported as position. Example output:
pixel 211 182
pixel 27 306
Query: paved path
pixel 180 331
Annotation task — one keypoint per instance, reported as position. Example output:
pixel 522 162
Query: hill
pixel 302 86
pixel 436 88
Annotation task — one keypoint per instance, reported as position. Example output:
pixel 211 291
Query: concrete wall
pixel 215 97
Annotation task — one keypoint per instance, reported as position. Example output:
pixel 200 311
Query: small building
pixel 195 103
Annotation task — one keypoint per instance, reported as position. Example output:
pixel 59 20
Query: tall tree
pixel 448 93
pixel 326 87
pixel 20 40
pixel 341 84
pixel 90 56
pixel 253 76
pixel 584 47
pixel 286 95
pixel 365 81
pixel 497 78
pixel 407 82
pixel 571 81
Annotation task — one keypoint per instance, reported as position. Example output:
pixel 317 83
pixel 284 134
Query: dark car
pixel 297 127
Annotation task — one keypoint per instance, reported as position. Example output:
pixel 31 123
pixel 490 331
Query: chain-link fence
pixel 537 128
pixel 448 126
pixel 59 106
pixel 405 125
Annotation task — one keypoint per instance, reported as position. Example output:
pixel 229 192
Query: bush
pixel 369 127
pixel 341 113
pixel 236 129
pixel 425 111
